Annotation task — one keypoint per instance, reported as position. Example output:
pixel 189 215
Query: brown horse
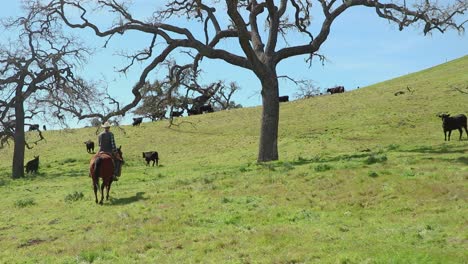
pixel 102 166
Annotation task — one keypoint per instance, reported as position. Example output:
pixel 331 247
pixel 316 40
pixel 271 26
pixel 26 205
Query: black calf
pixel 89 146
pixel 151 156
pixel 283 99
pixel 34 127
pixel 32 165
pixel 206 108
pixel 177 113
pixel 137 121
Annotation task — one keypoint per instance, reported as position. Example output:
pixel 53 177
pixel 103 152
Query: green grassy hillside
pixel 363 177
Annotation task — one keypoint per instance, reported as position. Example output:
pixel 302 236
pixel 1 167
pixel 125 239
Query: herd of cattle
pixel 449 123
pixel 36 127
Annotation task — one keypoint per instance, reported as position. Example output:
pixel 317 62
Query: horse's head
pixel 118 160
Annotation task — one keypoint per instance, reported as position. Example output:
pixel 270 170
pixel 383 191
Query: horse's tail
pixel 97 167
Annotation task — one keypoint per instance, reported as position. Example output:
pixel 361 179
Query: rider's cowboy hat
pixel 106 125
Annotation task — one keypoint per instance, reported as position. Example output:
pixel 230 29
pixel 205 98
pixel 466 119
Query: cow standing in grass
pixel 284 98
pixel 32 165
pixel 89 146
pixel 33 127
pixel 151 156
pixel 137 121
pixel 337 89
pixel 450 123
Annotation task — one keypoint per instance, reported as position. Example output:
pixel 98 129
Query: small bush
pixel 67 160
pixel 73 197
pixel 287 166
pixel 304 215
pixel 374 158
pixel 322 167
pixel 268 166
pixel 301 159
pixel 226 200
pixel 243 169
pixel 25 202
pixel 3 182
pixel 409 173
pixel 89 257
pixel 393 147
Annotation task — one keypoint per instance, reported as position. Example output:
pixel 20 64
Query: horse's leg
pixel 102 192
pixel 108 190
pixel 95 186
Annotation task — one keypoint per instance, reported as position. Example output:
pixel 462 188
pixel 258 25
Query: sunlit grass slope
pixel 363 177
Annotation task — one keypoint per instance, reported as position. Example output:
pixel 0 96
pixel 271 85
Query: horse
pixel 101 166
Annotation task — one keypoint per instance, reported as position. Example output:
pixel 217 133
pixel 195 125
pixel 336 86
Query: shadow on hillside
pixel 197 132
pixel 463 160
pixel 128 200
pixel 442 149
pixel 344 157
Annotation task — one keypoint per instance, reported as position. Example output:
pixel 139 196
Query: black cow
pixel 450 123
pixel 177 113
pixel 151 156
pixel 34 127
pixel 337 89
pixel 283 99
pixel 32 165
pixel 193 112
pixel 89 146
pixel 44 128
pixel 206 108
pixel 137 121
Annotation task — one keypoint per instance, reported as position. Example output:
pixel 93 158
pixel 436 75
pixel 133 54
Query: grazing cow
pixel 337 89
pixel 32 165
pixel 450 123
pixel 34 127
pixel 284 98
pixel 89 146
pixel 206 108
pixel 177 113
pixel 137 121
pixel 193 112
pixel 44 128
pixel 151 156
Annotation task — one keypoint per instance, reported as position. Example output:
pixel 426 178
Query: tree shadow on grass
pixel 463 160
pixel 128 200
pixel 440 149
pixel 326 159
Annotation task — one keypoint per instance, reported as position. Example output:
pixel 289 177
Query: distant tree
pixel 223 98
pixel 95 122
pixel 180 90
pixel 154 103
pixel 307 89
pixel 260 27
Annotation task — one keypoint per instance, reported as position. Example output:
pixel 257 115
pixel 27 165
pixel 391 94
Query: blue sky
pixel 362 49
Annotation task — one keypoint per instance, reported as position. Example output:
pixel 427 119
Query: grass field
pixel 363 177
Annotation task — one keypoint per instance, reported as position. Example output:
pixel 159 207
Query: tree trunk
pixel 18 154
pixel 268 149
